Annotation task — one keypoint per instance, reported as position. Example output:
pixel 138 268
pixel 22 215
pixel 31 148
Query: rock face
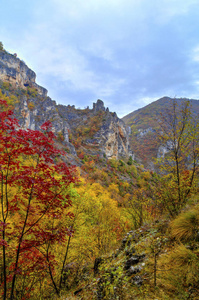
pixel 16 72
pixel 163 150
pixel 33 112
pixel 113 137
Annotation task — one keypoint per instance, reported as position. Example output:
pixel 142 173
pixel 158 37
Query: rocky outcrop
pixel 16 72
pixel 126 265
pixel 99 105
pixel 143 132
pixel 113 137
pixel 164 149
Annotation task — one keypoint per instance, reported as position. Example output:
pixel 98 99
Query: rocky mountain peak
pixel 16 72
pixel 99 105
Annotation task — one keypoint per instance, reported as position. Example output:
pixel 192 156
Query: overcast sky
pixel 127 53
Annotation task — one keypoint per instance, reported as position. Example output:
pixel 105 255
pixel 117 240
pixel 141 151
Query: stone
pixel 137 280
pixel 133 260
pixel 134 270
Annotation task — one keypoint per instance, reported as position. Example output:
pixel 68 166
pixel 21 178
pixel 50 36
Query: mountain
pixel 94 131
pixel 144 126
pixel 90 131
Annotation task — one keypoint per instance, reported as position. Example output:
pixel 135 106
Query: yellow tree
pixel 97 223
pixel 178 167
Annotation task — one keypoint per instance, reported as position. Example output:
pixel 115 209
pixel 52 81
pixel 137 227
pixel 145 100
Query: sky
pixel 127 53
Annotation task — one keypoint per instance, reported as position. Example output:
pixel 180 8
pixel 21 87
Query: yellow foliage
pixel 133 169
pixel 100 175
pixel 125 184
pixel 11 100
pixel 146 175
pixel 180 265
pixel 98 222
pixel 6 85
pixel 186 226
pixel 31 105
pixel 113 188
pixel 141 182
pixel 127 197
pixel 113 162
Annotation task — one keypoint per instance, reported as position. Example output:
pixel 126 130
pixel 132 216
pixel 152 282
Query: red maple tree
pixel 33 200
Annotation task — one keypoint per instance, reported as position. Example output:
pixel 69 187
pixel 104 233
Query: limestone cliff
pixel 16 72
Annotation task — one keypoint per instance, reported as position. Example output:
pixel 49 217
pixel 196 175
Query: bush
pixel 130 161
pixel 181 271
pixel 31 106
pixel 1 46
pixel 186 226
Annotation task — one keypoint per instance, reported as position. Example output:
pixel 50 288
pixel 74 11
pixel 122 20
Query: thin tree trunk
pixel 155 268
pixel 64 261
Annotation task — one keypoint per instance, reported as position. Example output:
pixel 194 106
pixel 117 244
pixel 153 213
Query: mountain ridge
pixel 108 135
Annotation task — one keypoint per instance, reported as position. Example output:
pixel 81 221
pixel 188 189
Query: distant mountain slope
pixel 144 126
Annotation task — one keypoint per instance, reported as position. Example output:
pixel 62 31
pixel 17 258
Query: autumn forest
pixel 84 226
